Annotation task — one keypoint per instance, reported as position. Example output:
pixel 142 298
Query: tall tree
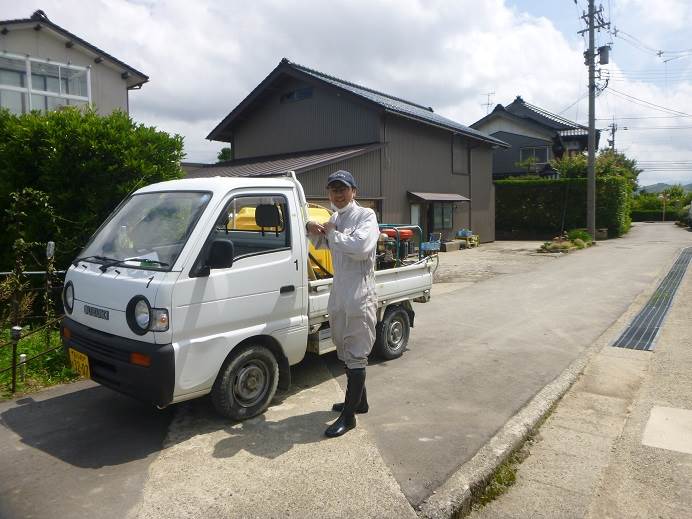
pixel 225 154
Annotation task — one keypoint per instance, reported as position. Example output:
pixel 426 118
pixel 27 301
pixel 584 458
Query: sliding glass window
pixel 31 84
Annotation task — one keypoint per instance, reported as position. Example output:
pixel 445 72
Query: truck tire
pixel 392 333
pixel 246 383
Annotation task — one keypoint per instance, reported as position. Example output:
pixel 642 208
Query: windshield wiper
pixel 86 258
pixel 115 262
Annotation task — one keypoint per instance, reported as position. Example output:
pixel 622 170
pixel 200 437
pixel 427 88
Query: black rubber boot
pixel 362 408
pixel 354 391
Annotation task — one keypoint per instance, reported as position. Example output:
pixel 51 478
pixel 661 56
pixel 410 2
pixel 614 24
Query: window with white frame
pixel 540 153
pixel 33 84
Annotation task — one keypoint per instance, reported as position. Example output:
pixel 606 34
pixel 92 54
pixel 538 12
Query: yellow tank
pixel 320 214
pixel 244 220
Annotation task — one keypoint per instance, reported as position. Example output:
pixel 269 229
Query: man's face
pixel 340 194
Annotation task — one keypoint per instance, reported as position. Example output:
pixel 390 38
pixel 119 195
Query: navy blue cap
pixel 342 176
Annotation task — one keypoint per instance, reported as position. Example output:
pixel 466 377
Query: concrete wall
pixel 108 90
pixel 325 120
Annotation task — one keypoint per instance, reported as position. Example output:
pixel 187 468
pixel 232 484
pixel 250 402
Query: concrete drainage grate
pixel 642 331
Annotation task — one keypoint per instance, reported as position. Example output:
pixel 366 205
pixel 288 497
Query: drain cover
pixel 642 331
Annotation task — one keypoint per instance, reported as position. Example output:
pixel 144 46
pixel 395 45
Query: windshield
pixel 147 231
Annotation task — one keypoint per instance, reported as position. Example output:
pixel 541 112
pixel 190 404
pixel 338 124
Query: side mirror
pixel 220 254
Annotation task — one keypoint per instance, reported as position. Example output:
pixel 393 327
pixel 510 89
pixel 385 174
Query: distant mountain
pixel 657 188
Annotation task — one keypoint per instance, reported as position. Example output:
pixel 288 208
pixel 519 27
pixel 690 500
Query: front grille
pixel 100 348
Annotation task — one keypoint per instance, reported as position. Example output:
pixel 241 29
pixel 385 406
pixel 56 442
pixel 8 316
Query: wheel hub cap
pixel 250 384
pixel 396 333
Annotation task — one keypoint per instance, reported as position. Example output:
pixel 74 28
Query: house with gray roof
pixel 533 133
pixel 411 164
pixel 43 67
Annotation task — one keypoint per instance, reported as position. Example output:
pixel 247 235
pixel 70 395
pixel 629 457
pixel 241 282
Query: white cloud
pixel 204 57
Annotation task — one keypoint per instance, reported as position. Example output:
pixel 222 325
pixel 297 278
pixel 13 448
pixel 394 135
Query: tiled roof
pixel 39 17
pixel 521 108
pixel 277 164
pixel 397 105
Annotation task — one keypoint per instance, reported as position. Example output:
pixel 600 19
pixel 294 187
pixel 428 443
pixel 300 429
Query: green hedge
pixel 85 163
pixel 655 215
pixel 539 206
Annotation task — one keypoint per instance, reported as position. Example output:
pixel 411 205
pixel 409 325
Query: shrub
pixel 579 234
pixel 550 206
pixel 85 163
pixel 655 215
pixel 579 243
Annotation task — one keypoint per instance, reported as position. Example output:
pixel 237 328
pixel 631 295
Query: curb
pixel 455 496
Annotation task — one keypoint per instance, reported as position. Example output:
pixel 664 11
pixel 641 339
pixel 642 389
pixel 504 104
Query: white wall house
pixel 43 67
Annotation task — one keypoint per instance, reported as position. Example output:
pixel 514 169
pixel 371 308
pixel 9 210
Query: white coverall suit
pixel 352 301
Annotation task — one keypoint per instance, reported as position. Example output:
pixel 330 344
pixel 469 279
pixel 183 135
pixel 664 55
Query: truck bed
pixel 407 283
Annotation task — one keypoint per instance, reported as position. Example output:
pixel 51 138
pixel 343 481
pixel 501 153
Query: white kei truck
pixel 174 297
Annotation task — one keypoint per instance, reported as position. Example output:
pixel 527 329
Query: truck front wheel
pixel 246 383
pixel 392 333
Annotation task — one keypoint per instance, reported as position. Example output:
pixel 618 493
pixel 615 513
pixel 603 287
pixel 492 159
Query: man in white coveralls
pixel 351 235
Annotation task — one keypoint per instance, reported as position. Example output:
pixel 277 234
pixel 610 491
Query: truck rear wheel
pixel 246 383
pixel 392 333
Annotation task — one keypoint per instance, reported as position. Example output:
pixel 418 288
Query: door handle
pixel 286 289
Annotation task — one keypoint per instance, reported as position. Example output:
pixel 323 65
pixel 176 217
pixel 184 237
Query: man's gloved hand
pixel 315 228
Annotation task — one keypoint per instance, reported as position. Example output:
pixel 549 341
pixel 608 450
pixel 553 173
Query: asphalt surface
pixel 480 350
pixel 76 451
pixel 479 354
pixel 619 444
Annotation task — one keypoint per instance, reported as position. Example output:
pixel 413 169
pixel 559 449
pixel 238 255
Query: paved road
pixel 478 353
pixel 76 451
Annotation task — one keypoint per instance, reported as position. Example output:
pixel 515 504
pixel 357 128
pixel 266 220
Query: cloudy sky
pixel 204 57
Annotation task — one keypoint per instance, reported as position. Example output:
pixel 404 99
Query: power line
pixel 651 105
pixel 639 44
pixel 571 105
pixel 637 117
pixel 659 127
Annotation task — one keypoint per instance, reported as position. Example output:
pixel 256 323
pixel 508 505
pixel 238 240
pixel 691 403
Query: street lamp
pixel 664 197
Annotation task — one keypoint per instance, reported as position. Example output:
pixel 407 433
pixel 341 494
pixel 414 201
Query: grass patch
pixel 506 474
pixel 47 370
pixel 504 477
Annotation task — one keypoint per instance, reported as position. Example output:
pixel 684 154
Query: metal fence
pixel 41 318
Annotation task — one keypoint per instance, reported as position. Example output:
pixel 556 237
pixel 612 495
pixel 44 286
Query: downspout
pixel 468 159
pixel 383 158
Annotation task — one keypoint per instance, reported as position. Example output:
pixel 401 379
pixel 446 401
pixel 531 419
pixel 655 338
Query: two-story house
pixel 43 66
pixel 411 164
pixel 536 137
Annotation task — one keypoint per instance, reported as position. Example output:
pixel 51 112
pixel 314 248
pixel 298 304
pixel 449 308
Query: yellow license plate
pixel 80 363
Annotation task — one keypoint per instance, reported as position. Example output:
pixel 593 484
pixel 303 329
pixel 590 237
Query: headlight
pixel 138 315
pixel 142 314
pixel 142 318
pixel 68 297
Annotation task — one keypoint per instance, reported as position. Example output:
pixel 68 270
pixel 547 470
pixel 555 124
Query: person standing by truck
pixel 351 235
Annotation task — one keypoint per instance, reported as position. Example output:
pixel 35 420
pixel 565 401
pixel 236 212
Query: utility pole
pixel 613 128
pixel 594 21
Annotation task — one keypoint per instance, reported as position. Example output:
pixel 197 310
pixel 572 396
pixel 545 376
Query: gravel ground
pixel 490 260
